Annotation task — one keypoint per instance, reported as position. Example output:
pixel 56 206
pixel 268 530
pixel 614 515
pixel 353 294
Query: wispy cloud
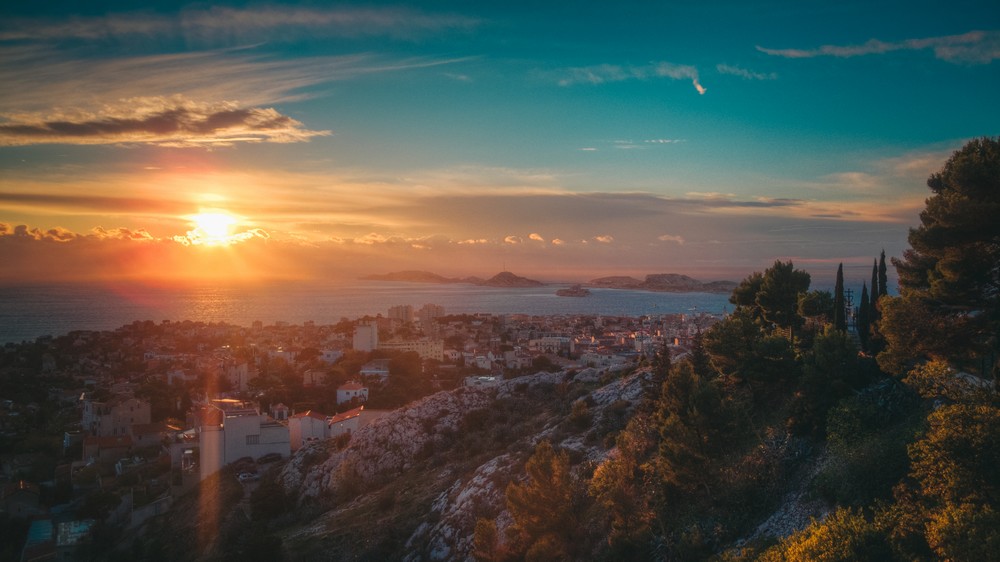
pixel 173 122
pixel 604 239
pixel 671 238
pixel 254 24
pixel 744 73
pixel 536 237
pixel 40 78
pixel 603 73
pixel 974 47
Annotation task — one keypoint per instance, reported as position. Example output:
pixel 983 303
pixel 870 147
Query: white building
pixel 426 348
pixel 307 427
pixel 231 430
pixel 350 390
pixel 366 337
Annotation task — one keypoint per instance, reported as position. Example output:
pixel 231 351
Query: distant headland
pixel 658 282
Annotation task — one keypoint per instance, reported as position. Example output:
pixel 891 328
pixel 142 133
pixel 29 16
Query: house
pixel 106 450
pixel 307 427
pixel 350 391
pixel 313 377
pixel 114 417
pixel 279 412
pixel 377 369
pixel 231 429
pixel 345 423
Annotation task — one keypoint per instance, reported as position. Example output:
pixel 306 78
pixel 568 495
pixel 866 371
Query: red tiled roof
pixel 347 415
pixel 309 414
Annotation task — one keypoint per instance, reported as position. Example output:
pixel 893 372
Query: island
pixel 574 291
pixel 664 283
pixel 504 279
pixel 658 282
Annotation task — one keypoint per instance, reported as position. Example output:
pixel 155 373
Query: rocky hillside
pixel 428 471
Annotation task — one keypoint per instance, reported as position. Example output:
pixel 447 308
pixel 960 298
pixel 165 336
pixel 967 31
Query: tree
pixel 883 276
pixel 864 317
pixel 542 505
pixel 816 304
pixel 690 415
pixel 953 264
pixel 875 339
pixel 839 308
pixel 745 294
pixel 778 297
pixel 843 535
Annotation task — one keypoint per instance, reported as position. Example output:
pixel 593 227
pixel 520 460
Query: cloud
pixel 603 73
pixel 744 73
pixel 175 122
pixel 974 47
pixel 536 237
pixel 39 78
pixel 558 242
pixel 663 141
pixel 122 234
pixel 218 24
pixel 513 240
pixel 21 231
pixel 604 239
pixel 671 238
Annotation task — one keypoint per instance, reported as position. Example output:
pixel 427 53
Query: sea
pixel 28 312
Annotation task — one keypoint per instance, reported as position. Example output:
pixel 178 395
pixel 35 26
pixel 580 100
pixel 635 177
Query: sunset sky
pixel 164 141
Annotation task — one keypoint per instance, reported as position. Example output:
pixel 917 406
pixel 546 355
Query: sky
pixel 168 142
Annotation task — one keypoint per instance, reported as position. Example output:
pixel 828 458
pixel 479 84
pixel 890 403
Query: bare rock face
pixel 391 445
pixel 385 448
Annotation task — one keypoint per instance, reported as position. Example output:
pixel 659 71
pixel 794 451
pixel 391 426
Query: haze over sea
pixel 30 311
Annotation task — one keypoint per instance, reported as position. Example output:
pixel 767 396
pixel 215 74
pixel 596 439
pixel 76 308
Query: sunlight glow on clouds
pixel 171 122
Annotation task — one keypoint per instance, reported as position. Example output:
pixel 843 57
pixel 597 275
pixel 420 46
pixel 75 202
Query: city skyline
pixel 174 142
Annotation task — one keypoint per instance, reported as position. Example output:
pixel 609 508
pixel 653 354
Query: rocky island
pixel 504 279
pixel 658 282
pixel 664 282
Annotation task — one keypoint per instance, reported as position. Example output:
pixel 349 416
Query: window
pixel 253 439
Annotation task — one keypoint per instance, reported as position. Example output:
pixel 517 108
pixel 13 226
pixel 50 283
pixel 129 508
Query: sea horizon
pixel 30 311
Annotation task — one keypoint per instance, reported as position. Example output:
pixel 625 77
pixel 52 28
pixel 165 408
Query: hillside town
pixel 104 429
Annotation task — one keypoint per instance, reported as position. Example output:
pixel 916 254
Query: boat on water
pixel 574 291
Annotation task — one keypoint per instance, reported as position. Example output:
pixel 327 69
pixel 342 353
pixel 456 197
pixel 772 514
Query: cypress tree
pixel 863 317
pixel 872 311
pixel 839 312
pixel 883 278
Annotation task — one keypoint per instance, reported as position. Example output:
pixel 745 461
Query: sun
pixel 213 228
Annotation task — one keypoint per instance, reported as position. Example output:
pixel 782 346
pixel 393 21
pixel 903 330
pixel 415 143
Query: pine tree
pixel 839 309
